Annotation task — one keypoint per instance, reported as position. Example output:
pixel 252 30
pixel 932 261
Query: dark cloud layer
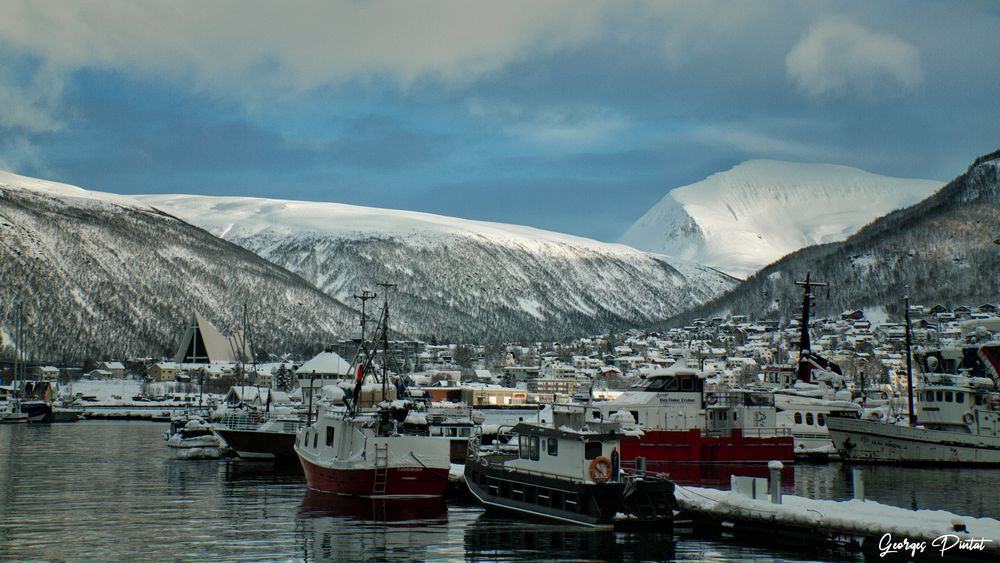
pixel 577 118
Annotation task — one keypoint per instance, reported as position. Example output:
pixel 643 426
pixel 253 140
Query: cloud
pixel 31 107
pixel 565 124
pixel 838 56
pixel 18 155
pixel 294 46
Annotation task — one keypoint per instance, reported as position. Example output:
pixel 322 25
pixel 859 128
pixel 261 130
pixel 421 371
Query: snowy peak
pixel 749 216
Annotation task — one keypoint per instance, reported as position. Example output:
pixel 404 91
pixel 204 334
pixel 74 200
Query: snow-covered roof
pixel 325 363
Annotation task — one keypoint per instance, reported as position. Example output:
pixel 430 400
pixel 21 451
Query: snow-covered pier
pixel 865 525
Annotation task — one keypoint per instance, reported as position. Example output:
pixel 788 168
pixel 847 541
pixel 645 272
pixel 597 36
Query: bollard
pixel 858 482
pixel 775 467
pixel 640 466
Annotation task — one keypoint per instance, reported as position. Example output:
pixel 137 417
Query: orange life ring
pixel 710 398
pixel 600 469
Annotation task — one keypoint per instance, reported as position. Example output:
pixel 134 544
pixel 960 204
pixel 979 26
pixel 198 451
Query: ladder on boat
pixel 381 468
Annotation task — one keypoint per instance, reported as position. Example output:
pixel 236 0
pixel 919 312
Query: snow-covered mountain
pixel 458 279
pixel 101 275
pixel 938 251
pixel 756 212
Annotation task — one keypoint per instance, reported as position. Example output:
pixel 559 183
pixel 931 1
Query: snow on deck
pixel 858 517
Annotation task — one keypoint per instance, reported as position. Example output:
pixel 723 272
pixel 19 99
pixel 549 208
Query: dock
pixel 155 413
pixel 860 525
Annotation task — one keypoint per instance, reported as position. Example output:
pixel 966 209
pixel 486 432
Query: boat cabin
pixel 958 403
pixel 569 448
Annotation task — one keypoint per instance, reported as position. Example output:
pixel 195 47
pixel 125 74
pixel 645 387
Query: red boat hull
pixel 399 481
pixel 691 446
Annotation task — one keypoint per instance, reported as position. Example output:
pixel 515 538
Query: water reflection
pixel 341 528
pixel 718 475
pixel 493 538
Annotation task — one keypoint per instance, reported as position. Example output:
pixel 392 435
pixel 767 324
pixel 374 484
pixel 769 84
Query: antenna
pixel 364 297
pixel 804 346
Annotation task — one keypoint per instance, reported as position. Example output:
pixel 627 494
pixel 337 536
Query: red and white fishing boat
pixel 363 454
pixel 362 449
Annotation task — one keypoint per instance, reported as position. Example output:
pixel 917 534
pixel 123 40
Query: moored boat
pixel 364 454
pixel 363 449
pixel 191 437
pixel 259 435
pixel 958 422
pixel 685 422
pixel 568 471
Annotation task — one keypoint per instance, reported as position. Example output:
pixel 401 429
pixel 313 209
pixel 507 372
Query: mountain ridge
pixel 458 278
pixel 100 275
pixel 935 251
pixel 744 218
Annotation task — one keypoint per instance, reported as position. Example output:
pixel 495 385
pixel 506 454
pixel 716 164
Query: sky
pixel 570 115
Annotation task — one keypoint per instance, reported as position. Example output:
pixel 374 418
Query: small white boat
pixel 10 413
pixel 191 437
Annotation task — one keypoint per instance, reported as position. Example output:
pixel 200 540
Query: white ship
pixel 958 422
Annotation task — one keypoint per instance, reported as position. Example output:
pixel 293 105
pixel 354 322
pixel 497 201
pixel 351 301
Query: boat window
pixel 820 419
pixel 597 415
pixel 947 396
pixel 553 446
pixel 959 397
pixel 655 385
pixel 329 436
pixel 798 418
pixel 687 384
pixel 522 447
pixel 315 438
pixel 979 400
pixel 809 418
pixel 591 450
pixel 940 396
pixel 534 447
pixel 635 415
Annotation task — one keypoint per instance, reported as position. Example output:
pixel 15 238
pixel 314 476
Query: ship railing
pixel 625 476
pixel 772 432
pixel 244 420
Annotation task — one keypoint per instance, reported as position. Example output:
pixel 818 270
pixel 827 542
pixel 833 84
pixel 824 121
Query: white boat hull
pixel 871 441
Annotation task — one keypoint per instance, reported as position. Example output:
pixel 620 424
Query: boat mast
pixel 909 366
pixel 17 357
pixel 804 346
pixel 385 336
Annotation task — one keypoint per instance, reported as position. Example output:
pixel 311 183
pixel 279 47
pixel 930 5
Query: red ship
pixel 681 422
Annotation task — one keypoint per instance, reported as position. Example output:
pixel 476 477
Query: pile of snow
pixel 332 394
pixel 744 218
pixel 859 516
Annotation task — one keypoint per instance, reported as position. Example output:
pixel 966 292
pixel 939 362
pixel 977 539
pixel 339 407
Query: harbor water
pixel 111 491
